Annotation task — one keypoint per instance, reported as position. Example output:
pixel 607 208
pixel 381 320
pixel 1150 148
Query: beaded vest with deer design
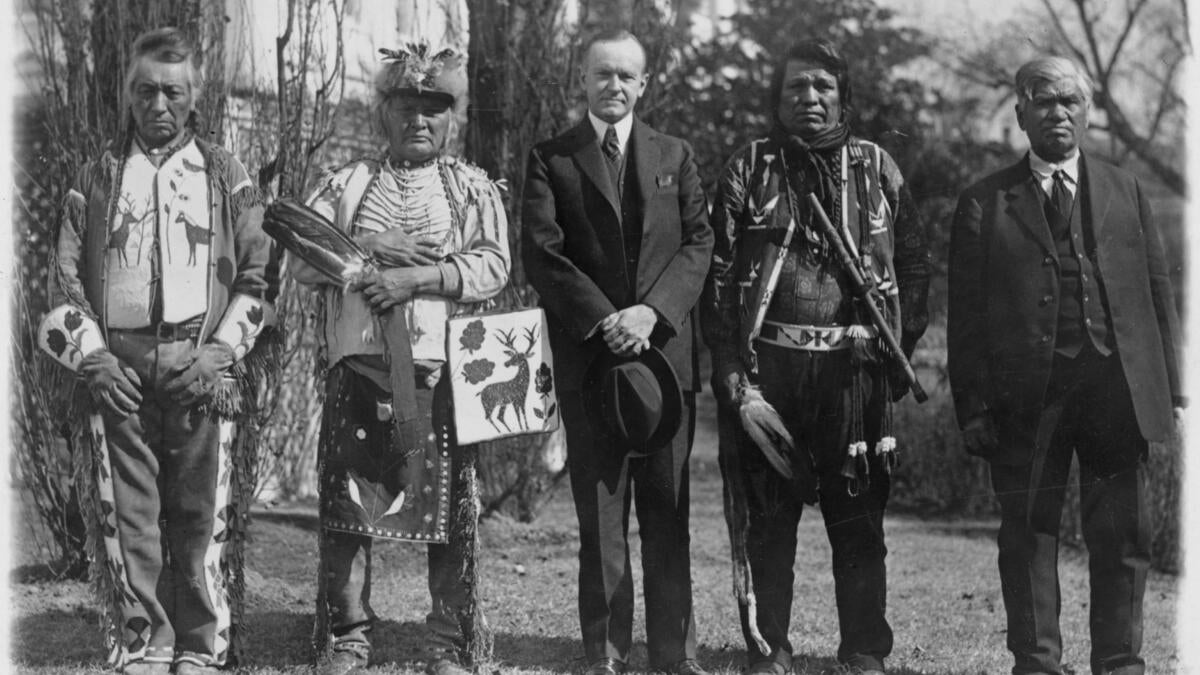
pixel 159 238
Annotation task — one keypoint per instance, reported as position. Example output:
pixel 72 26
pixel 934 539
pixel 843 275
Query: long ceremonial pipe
pixel 863 291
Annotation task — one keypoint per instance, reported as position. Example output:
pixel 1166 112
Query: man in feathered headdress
pixel 162 281
pixel 390 467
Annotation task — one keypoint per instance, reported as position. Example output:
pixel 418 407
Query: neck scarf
pixel 817 157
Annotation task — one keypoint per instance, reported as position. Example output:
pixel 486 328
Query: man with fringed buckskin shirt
pixel 162 281
pixel 616 243
pixel 1064 341
pixel 390 466
pixel 797 362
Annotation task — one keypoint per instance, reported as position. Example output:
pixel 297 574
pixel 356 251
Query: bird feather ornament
pixel 310 236
pixel 421 63
pixel 764 426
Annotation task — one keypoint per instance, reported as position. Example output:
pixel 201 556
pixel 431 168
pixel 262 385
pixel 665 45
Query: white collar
pixel 1045 170
pixel 624 127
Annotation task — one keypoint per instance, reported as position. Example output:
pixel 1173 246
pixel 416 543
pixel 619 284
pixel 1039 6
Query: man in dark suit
pixel 616 242
pixel 1063 338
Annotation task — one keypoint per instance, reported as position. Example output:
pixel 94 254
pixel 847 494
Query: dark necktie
pixel 1058 208
pixel 1060 196
pixel 610 145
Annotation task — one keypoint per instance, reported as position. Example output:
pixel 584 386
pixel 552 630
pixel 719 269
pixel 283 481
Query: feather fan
pixel 310 236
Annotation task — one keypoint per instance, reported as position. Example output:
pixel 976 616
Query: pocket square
pixel 665 180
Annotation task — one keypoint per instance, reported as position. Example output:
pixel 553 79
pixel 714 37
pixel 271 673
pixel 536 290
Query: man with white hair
pixel 391 468
pixel 1064 340
pixel 162 281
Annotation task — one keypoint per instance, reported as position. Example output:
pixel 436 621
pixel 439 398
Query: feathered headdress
pixel 419 68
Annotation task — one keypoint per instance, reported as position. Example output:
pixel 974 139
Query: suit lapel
pixel 646 156
pixel 1025 206
pixel 1099 192
pixel 593 165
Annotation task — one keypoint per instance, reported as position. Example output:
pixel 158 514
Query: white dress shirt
pixel 1044 172
pixel 624 127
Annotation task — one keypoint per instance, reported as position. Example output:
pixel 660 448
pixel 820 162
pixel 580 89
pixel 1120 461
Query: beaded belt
pixel 812 338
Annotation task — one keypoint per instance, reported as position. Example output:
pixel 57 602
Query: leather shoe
pixel 341 663
pixel 685 667
pixel 605 666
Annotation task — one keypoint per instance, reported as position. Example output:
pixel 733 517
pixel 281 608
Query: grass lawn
pixel 944 597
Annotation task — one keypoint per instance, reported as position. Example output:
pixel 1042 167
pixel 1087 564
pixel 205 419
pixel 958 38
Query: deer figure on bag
pixel 511 392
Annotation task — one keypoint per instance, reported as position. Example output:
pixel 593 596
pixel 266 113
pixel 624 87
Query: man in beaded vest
pixel 787 334
pixel 1063 343
pixel 390 468
pixel 161 284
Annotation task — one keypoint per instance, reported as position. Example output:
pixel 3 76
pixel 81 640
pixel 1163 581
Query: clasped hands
pixel 410 270
pixel 627 332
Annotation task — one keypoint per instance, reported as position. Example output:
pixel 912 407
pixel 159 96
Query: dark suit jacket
pixel 574 253
pixel 1004 294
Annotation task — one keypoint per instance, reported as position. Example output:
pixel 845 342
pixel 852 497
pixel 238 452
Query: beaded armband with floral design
pixel 244 320
pixel 68 334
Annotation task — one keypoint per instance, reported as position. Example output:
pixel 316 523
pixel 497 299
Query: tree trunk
pixel 507 41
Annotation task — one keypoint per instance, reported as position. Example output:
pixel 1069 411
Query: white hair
pixel 1049 69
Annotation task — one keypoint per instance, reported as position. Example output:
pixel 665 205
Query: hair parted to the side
pixel 614 35
pixel 165 45
pixel 818 51
pixel 1047 69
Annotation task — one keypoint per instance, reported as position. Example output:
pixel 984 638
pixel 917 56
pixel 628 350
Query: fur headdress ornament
pixel 417 68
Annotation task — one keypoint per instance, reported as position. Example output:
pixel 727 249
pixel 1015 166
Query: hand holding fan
pixel 310 236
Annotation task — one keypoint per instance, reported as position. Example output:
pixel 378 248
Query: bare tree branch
pixel 1129 23
pixel 278 163
pixel 1187 30
pixel 1145 150
pixel 1166 94
pixel 1099 73
pixel 1062 31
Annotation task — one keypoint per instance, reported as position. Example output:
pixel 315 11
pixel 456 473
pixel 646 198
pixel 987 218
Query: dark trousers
pixel 811 391
pixel 348 566
pixel 346 559
pixel 603 480
pixel 1088 413
pixel 165 463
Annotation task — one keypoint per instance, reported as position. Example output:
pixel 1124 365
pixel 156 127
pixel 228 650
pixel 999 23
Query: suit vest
pixel 1082 305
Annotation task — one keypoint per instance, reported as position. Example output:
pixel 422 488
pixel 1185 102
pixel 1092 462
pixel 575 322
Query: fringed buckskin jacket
pixel 243 270
pixel 752 211
pixel 242 281
pixel 473 239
